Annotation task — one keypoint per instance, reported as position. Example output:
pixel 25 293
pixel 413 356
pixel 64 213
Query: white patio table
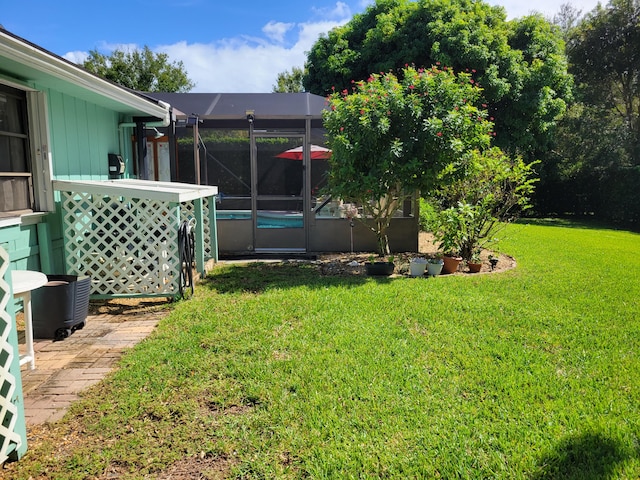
pixel 23 282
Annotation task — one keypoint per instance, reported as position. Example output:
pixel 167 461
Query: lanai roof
pixel 234 106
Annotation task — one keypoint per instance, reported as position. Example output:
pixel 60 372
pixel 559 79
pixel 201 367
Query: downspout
pixel 173 164
pixel 141 146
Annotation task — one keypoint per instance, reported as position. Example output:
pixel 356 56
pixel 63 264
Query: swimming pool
pixel 266 218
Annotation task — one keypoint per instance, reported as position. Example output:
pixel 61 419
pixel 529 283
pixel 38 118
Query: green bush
pixel 472 209
pixel 427 215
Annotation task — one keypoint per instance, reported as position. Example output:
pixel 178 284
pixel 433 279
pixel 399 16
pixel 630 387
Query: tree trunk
pixel 383 244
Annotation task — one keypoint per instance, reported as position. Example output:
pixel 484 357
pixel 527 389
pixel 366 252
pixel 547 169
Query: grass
pixel 276 372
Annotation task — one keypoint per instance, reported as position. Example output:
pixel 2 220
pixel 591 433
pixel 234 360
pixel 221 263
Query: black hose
pixel 187 253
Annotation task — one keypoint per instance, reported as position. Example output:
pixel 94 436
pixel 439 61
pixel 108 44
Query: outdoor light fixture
pixel 190 121
pixel 250 115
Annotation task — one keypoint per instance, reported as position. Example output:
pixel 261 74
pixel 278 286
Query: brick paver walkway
pixel 65 368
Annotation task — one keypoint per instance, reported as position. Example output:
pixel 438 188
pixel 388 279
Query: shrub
pixel 472 209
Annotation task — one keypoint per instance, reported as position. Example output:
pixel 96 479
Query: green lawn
pixel 276 372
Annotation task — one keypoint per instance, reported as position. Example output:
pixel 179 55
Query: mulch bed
pixel 342 264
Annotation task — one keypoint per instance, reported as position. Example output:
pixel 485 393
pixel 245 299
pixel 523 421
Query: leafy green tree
pixel 392 136
pixel 290 82
pixel 140 70
pixel 594 167
pixel 567 18
pixel 605 58
pixel 520 64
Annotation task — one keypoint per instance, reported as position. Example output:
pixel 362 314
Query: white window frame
pixel 40 153
pixel 42 165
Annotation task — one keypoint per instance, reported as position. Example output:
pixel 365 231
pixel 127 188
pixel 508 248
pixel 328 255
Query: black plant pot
pixel 383 269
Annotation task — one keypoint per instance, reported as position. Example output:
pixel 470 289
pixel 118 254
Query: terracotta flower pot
pixel 451 264
pixel 474 267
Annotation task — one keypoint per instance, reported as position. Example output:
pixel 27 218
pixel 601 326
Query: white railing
pixel 124 233
pixel 10 415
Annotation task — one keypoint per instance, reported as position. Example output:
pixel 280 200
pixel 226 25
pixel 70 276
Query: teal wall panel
pixel 82 136
pixel 21 242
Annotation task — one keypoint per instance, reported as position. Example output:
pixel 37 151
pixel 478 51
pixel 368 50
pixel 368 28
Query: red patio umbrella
pixel 317 153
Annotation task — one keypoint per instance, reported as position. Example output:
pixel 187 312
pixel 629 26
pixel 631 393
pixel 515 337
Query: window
pixel 16 186
pixel 25 159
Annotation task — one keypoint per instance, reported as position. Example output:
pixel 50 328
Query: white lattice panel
pixel 9 439
pixel 187 212
pixel 127 246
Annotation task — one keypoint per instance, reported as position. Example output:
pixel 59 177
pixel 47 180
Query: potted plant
pixel 380 267
pixel 450 263
pixel 472 209
pixel 417 266
pixel 434 266
pixel 448 233
pixel 475 263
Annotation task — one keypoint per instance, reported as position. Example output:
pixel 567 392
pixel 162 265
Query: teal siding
pixel 22 244
pixel 82 134
pixel 56 237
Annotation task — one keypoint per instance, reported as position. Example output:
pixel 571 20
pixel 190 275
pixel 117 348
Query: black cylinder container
pixel 61 306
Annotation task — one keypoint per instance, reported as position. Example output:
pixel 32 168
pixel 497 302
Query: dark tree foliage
pixel 605 58
pixel 520 64
pixel 594 167
pixel 140 70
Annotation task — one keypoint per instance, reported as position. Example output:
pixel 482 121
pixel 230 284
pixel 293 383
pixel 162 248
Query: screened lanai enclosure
pixel 267 156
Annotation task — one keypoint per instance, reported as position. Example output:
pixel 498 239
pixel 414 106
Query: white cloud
pixel 340 11
pixel 244 64
pixel 310 32
pixel 76 57
pixel 277 30
pixel 247 64
pixel 236 66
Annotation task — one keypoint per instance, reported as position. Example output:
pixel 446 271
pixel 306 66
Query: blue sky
pixel 226 46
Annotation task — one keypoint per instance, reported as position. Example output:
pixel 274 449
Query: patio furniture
pixel 23 282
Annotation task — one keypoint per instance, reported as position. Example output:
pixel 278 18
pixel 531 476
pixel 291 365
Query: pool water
pixel 266 219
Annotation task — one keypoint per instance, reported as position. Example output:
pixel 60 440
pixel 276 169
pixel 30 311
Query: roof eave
pixel 39 59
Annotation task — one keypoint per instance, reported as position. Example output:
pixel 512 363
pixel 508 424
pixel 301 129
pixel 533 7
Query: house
pixel 66 132
pixel 74 197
